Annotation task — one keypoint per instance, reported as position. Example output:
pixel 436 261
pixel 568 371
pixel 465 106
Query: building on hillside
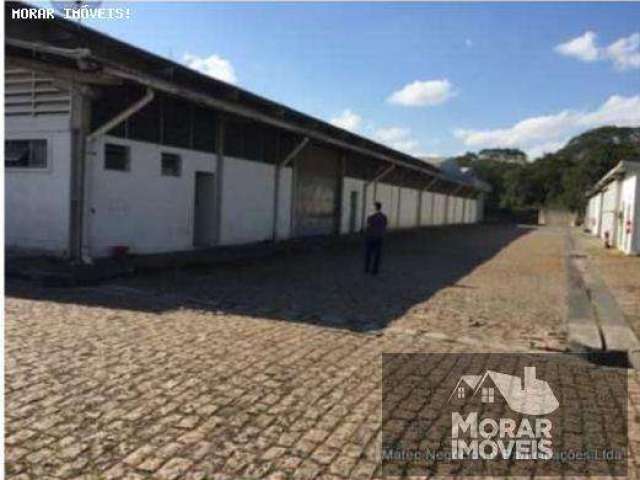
pixel 109 147
pixel 505 155
pixel 613 211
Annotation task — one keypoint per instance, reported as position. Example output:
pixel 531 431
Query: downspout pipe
pixel 106 127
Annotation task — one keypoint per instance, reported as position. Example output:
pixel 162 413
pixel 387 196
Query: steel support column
pixel 278 175
pixel 375 181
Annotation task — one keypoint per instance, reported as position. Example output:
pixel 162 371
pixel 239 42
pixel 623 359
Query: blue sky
pixel 465 76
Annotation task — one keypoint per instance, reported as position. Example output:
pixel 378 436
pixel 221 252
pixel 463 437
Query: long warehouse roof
pixel 99 57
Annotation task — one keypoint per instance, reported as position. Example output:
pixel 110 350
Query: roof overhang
pixel 75 52
pixel 621 170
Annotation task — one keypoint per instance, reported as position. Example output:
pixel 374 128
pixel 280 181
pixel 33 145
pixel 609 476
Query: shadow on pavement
pixel 325 285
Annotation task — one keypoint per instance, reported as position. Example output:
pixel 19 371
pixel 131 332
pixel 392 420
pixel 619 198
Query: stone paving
pixel 267 369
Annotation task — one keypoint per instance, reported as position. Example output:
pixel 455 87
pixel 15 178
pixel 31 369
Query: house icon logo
pixel 528 395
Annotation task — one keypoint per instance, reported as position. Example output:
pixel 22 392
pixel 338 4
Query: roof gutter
pixel 73 53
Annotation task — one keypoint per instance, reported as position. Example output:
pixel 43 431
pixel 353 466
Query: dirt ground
pixel 266 369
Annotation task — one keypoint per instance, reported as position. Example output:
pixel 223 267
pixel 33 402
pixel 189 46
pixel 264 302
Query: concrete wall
pixel 388 195
pixel 628 207
pixel 140 208
pixel 451 210
pixel 609 203
pixel 426 214
pixel 593 216
pixel 248 189
pixel 459 210
pixel 37 201
pixel 438 209
pixel 635 246
pixel 152 213
pixel 408 208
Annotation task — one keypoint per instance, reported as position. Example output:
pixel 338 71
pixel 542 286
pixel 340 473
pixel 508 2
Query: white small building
pixel 613 211
pixel 111 148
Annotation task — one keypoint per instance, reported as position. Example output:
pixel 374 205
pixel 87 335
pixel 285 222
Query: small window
pixel 116 157
pixel 25 153
pixel 487 395
pixel 171 165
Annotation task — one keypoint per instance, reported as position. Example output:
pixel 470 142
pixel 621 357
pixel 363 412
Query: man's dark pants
pixel 373 251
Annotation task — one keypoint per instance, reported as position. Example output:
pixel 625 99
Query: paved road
pixel 260 370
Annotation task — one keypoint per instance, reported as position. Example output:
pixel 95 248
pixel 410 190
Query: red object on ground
pixel 119 251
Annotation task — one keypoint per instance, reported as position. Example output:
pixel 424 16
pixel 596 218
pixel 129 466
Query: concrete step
pixel 595 321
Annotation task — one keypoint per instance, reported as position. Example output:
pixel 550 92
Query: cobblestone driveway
pixel 260 370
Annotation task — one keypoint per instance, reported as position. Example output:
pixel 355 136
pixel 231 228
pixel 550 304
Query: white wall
pixel 140 208
pixel 152 213
pixel 458 211
pixel 466 210
pixel 609 202
pixel 598 213
pixel 629 208
pixel 594 214
pixel 438 209
pixel 408 208
pixel 426 214
pixel 37 201
pixel 451 210
pixel 473 210
pixel 388 195
pixel 247 202
pixel 635 246
pixel 351 185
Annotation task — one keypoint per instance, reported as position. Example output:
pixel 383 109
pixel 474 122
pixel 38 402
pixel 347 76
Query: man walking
pixel 376 227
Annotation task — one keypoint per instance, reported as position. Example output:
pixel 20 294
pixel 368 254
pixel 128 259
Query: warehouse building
pixel 109 147
pixel 613 211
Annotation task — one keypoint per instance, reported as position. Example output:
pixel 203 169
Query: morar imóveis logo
pixel 503 437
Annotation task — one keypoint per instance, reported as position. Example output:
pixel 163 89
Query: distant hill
pixel 558 179
pixel 586 144
pixel 583 161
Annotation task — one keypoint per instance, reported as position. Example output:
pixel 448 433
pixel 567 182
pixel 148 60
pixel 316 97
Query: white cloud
pixel 213 66
pixel 398 138
pixel 423 93
pixel 583 47
pixel 546 133
pixel 348 120
pixel 624 53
